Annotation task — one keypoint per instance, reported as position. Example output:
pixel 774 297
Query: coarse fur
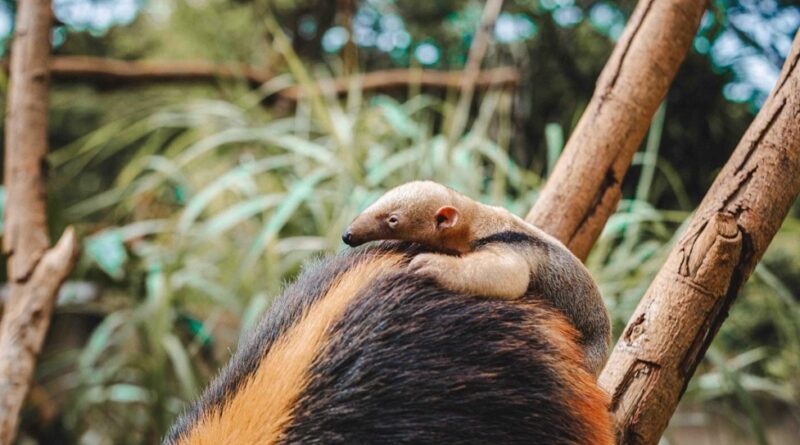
pixel 380 354
pixel 488 251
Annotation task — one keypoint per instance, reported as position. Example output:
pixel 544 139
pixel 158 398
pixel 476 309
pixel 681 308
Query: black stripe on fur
pixel 509 237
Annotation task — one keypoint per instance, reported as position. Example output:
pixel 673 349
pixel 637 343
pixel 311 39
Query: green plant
pixel 216 204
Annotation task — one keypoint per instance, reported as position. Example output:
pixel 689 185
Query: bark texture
pixel 119 73
pixel 35 273
pixel 25 227
pixel 687 302
pixel 633 83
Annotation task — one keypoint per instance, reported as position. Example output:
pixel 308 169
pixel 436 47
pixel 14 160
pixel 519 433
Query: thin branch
pixel 123 73
pixel 396 78
pixel 115 71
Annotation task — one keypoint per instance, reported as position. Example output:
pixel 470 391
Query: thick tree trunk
pixel 584 188
pixel 35 273
pixel 690 297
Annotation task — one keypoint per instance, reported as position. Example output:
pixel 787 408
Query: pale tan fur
pixel 261 409
pixel 501 270
pixel 494 271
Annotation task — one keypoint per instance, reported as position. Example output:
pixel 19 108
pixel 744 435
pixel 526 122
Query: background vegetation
pixel 197 202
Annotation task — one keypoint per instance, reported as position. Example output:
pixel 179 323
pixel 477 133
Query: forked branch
pixel 34 272
pixel 689 299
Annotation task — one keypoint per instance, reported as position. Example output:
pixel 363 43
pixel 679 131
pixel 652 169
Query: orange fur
pixel 588 401
pixel 261 409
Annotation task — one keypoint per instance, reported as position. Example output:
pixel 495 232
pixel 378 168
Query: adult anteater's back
pixel 358 351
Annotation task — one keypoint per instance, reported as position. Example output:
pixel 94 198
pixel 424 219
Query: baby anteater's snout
pixel 347 237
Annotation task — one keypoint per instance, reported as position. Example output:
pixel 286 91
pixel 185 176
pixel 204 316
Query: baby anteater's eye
pixel 392 220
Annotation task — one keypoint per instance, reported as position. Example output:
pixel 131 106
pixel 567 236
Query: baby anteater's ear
pixel 446 217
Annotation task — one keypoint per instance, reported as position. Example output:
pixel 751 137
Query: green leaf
pixel 238 213
pixel 554 136
pixel 126 393
pixel 237 176
pixel 181 364
pixel 102 338
pixel 107 250
pixel 198 330
pixel 299 193
pixel 303 147
pixel 390 165
pixel 397 117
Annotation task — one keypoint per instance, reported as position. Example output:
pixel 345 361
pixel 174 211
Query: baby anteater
pixel 488 251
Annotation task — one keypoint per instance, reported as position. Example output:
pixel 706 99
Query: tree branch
pixel 584 188
pixel 690 297
pixel 35 273
pixel 120 73
pixel 115 71
pixel 395 78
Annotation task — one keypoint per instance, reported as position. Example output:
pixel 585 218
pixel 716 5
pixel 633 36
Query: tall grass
pixel 216 204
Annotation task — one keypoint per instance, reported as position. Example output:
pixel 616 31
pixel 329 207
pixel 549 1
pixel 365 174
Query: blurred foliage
pixel 196 203
pixel 217 205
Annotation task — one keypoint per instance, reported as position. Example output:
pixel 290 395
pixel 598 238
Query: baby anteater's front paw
pixel 431 264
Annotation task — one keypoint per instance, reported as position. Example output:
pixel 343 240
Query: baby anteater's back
pixel 359 351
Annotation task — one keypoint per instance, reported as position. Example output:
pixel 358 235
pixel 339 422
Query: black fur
pixel 510 237
pixel 312 283
pixel 413 363
pixel 410 362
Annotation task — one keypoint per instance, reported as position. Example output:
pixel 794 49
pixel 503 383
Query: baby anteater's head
pixel 419 211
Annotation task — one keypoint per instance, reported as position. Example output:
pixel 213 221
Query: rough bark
pixel 35 273
pixel 25 229
pixel 687 302
pixel 122 73
pixel 24 326
pixel 633 83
